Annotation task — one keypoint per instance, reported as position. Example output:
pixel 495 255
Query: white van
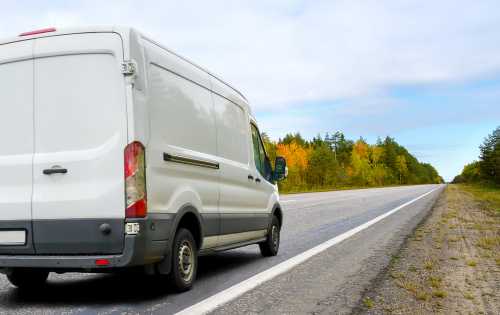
pixel 118 152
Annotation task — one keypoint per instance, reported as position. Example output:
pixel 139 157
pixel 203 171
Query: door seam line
pixel 33 158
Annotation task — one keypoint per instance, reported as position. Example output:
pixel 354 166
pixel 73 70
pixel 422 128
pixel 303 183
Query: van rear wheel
pixel 272 244
pixel 184 261
pixel 28 277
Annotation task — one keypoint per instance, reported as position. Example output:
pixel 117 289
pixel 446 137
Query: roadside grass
pixel 423 296
pixel 488 199
pixel 471 263
pixel 457 257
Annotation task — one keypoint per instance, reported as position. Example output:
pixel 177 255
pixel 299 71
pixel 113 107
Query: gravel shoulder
pixel 450 264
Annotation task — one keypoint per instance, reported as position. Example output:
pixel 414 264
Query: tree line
pixel 335 162
pixel 486 171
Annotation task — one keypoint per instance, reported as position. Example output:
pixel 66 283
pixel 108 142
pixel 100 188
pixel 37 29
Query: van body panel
pixel 81 126
pixel 233 143
pixel 78 44
pixel 237 205
pixel 16 129
pixel 184 113
pixel 137 91
pixel 22 50
pixel 224 90
pixel 177 65
pixel 182 123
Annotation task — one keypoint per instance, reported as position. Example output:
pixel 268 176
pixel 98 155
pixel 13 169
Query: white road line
pixel 218 299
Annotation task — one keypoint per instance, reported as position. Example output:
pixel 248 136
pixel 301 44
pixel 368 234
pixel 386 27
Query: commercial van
pixel 117 153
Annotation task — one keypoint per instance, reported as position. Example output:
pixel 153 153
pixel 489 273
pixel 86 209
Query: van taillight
pixel 135 181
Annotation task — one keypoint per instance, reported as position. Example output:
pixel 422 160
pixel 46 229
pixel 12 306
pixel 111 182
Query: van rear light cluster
pixel 135 181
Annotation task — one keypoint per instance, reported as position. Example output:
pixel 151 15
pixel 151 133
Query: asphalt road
pixel 309 220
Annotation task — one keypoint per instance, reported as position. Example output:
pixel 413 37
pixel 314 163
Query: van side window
pixel 259 154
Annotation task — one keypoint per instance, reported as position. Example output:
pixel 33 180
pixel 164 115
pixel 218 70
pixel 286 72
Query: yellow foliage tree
pixel 296 161
pixel 401 166
pixel 362 149
pixel 377 154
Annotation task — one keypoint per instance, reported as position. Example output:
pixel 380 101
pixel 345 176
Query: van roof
pixel 106 29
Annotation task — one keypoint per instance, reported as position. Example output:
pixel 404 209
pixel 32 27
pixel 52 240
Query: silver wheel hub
pixel 186 261
pixel 274 235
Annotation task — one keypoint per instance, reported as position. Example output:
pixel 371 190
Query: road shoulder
pixel 449 264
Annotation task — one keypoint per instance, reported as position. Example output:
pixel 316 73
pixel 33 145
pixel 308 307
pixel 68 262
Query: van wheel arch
pixel 189 218
pixel 278 213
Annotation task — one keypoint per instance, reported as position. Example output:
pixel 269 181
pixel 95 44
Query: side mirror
pixel 280 169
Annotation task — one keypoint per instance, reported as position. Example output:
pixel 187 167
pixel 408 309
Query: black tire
pixel 182 275
pixel 272 244
pixel 28 277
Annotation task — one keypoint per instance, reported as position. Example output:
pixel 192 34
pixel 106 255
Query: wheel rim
pixel 274 235
pixel 186 261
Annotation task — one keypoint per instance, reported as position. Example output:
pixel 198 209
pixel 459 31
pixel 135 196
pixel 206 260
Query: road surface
pixel 331 281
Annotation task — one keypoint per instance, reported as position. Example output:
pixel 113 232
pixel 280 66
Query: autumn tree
pixel 362 149
pixel 321 167
pixel 296 160
pixel 377 153
pixel 317 142
pixel 361 175
pixel 471 172
pixel 270 146
pixel 390 155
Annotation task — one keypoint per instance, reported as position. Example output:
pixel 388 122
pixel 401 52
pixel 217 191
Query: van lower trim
pixel 209 251
pixel 191 161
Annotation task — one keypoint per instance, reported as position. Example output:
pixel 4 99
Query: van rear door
pixel 16 147
pixel 80 132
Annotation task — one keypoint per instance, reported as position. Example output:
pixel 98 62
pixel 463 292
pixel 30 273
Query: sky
pixel 426 73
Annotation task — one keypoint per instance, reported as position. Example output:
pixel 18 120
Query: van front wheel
pixel 184 261
pixel 28 277
pixel 272 244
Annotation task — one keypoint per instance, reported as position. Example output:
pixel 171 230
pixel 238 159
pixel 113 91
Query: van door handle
pixel 257 180
pixel 55 171
pixel 250 177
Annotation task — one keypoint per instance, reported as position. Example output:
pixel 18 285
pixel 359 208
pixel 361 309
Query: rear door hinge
pixel 129 67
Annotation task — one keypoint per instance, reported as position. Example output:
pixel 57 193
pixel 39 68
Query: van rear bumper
pixel 147 247
pixel 132 255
